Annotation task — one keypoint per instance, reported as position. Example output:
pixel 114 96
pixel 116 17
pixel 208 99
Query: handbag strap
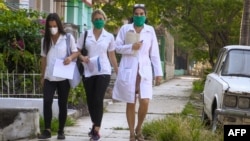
pixel 68 44
pixel 84 40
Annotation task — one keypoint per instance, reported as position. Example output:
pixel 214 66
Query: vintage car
pixel 226 94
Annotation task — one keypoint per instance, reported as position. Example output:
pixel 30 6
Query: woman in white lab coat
pixel 137 43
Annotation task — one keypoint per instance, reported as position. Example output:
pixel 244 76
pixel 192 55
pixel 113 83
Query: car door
pixel 212 84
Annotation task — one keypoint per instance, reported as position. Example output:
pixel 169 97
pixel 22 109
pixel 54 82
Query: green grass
pixel 198 85
pixel 120 128
pixel 179 128
pixel 190 109
pixel 186 126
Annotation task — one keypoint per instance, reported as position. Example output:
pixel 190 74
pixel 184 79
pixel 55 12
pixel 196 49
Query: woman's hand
pixel 137 45
pixel 158 80
pixel 67 60
pixel 84 59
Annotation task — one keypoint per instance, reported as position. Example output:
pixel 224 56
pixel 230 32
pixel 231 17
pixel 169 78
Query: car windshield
pixel 237 63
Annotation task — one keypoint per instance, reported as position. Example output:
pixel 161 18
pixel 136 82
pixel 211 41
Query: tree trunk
pixel 245 24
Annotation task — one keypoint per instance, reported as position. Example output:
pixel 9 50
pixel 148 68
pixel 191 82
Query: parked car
pixel 226 94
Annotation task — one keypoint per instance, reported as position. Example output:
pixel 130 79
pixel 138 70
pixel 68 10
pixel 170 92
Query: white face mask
pixel 53 30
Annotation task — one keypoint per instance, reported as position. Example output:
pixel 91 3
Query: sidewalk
pixel 168 98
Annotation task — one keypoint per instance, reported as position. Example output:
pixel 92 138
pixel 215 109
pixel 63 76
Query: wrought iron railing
pixel 23 85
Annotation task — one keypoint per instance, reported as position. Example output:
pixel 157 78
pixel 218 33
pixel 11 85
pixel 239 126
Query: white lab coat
pixel 146 57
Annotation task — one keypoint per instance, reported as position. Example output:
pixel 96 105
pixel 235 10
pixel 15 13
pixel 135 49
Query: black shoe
pixel 45 135
pixel 60 135
pixel 90 133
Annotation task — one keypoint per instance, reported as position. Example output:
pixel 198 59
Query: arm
pixel 121 47
pixel 74 51
pixel 73 56
pixel 113 60
pixel 83 58
pixel 43 66
pixel 43 62
pixel 155 59
pixel 111 54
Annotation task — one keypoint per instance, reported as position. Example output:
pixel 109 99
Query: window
pixel 237 63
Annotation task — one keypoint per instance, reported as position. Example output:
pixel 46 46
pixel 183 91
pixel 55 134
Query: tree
pixel 3 6
pixel 20 40
pixel 197 25
pixel 245 27
pixel 215 22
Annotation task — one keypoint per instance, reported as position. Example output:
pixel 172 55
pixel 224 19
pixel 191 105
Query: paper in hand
pixel 132 37
pixel 63 71
pixel 93 67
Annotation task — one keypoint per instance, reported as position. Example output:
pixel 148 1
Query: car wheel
pixel 214 123
pixel 204 118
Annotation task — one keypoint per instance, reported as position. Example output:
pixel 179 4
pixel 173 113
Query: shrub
pixel 179 128
pixel 20 39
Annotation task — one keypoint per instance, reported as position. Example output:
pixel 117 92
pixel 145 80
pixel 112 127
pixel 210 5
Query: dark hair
pixel 141 6
pixel 47 35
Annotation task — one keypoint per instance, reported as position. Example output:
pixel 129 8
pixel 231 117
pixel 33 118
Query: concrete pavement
pixel 168 98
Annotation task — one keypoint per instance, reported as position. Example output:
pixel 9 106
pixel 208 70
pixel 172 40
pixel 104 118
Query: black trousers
pixel 49 90
pixel 95 88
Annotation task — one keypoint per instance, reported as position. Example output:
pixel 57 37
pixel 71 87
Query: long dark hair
pixel 47 35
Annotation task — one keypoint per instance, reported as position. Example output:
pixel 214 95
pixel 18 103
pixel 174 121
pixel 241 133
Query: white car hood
pixel 238 84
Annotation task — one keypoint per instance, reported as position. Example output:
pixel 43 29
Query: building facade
pixel 75 12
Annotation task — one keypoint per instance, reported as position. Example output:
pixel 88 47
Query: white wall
pixel 28 103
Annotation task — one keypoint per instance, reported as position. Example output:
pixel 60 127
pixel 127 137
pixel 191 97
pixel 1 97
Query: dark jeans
pixel 95 88
pixel 49 90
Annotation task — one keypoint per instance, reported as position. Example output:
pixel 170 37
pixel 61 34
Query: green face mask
pixel 98 24
pixel 139 20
